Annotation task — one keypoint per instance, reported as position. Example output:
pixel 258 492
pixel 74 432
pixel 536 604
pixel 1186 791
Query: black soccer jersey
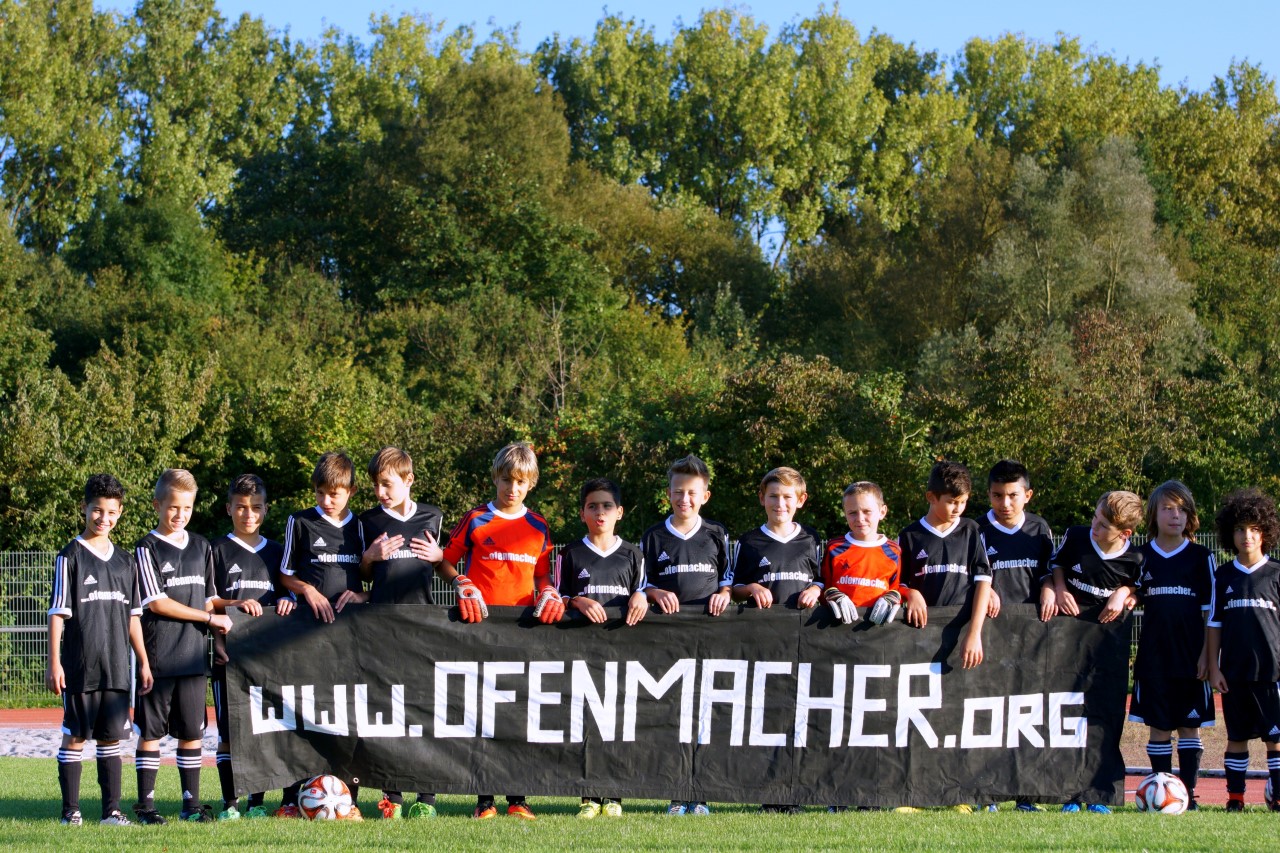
pixel 179 567
pixel 1176 589
pixel 97 593
pixel 323 553
pixel 1092 576
pixel 692 566
pixel 242 571
pixel 1245 602
pixel 402 578
pixel 943 567
pixel 608 577
pixel 1019 556
pixel 784 566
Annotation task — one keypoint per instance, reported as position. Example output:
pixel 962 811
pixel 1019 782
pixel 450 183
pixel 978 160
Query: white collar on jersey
pixel 1112 555
pixel 935 531
pixel 343 523
pixel 1248 570
pixel 991 517
pixel 179 539
pixel 1167 554
pixel 410 509
pixel 507 515
pixel 262 543
pixel 689 535
pixel 795 531
pixel 101 555
pixel 617 543
pixel 861 543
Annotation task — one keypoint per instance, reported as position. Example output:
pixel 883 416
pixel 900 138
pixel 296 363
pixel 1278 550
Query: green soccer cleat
pixel 588 810
pixel 390 810
pixel 256 812
pixel 229 813
pixel 421 810
pixel 612 808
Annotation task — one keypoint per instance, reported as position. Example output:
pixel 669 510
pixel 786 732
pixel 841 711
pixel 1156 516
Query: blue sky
pixel 1192 41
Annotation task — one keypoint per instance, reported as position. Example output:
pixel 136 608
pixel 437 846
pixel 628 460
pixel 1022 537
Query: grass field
pixel 29 802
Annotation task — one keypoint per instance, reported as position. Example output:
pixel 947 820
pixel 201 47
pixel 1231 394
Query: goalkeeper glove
pixel 550 607
pixel 840 605
pixel 885 609
pixel 470 602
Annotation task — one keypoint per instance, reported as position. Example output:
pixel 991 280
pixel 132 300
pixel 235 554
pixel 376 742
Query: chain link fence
pixel 25 577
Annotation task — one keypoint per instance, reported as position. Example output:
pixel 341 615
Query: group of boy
pixel 162 602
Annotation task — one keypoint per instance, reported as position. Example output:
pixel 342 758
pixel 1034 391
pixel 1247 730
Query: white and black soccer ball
pixel 326 798
pixel 1162 793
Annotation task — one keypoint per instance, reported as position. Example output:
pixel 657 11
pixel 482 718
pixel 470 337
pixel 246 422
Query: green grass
pixel 29 810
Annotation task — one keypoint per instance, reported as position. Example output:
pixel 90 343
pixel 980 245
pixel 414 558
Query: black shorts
pixel 1252 709
pixel 101 715
pixel 220 718
pixel 1171 703
pixel 175 706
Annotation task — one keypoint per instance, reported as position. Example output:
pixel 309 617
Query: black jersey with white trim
pixel 323 552
pixel 943 567
pixel 178 567
pixel 1246 609
pixel 608 577
pixel 402 578
pixel 1019 556
pixel 1092 576
pixel 1176 590
pixel 96 593
pixel 242 571
pixel 693 566
pixel 784 566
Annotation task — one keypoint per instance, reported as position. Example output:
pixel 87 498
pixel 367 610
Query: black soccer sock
pixel 429 799
pixel 1189 751
pixel 109 773
pixel 354 789
pixel 256 799
pixel 226 780
pixel 1161 754
pixel 69 779
pixel 289 796
pixel 484 801
pixel 189 777
pixel 1273 768
pixel 396 797
pixel 1236 765
pixel 147 765
pixel 515 800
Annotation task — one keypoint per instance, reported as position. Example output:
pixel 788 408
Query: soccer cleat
pixel 148 817
pixel 793 809
pixel 1192 805
pixel 837 809
pixel 200 814
pixel 1098 808
pixel 390 810
pixel 354 814
pixel 1273 805
pixel 588 810
pixel 906 810
pixel 768 809
pixel 229 813
pixel 257 812
pixel 521 811
pixel 612 808
pixel 1071 808
pixel 963 808
pixel 1025 806
pixel 1235 805
pixel 421 810
pixel 288 810
pixel 485 812
pixel 676 809
pixel 116 818
pixel 72 818
pixel 699 809
pixel 993 807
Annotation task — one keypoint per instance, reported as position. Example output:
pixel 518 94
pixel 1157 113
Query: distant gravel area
pixel 43 743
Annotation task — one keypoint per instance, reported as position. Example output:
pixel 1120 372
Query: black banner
pixel 776 706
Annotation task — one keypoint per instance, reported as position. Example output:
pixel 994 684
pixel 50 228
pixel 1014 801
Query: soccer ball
pixel 326 798
pixel 1163 793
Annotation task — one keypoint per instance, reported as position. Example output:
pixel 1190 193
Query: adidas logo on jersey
pixel 923 555
pixel 1275 730
pixel 488 540
pixel 664 556
pixel 166 568
pixel 764 561
pixel 1146 577
pixel 1076 568
pixel 319 543
pixel 584 575
pixel 991 551
pixel 1229 589
pixel 1193 715
pixel 234 570
pixel 90 580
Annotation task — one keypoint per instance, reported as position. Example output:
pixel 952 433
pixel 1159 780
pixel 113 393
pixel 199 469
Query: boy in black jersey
pixel 246 573
pixel 598 571
pixel 944 562
pixel 686 558
pixel 1176 589
pixel 94 615
pixel 1244 638
pixel 401 560
pixel 321 560
pixel 175 571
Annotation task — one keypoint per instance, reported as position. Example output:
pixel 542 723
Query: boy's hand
pixel 1216 679
pixel 1202 665
pixel 250 606
pixel 1048 603
pixel 350 597
pixel 550 607
pixel 719 602
pixel 808 597
pixel 55 678
pixel 284 606
pixel 471 604
pixel 319 605
pixel 917 612
pixel 426 548
pixel 993 605
pixel 220 623
pixel 1066 602
pixel 667 601
pixel 1117 606
pixel 382 548
pixel 637 607
pixel 592 609
pixel 145 681
pixel 761 595
pixel 841 605
pixel 971 654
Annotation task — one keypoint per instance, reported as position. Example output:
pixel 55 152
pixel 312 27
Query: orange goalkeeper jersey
pixel 864 571
pixel 501 553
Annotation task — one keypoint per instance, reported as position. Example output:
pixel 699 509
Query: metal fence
pixel 25 577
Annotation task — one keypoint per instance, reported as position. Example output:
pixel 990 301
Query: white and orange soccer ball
pixel 1162 793
pixel 327 798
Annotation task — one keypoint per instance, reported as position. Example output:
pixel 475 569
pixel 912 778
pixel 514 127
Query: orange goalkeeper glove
pixel 470 602
pixel 550 607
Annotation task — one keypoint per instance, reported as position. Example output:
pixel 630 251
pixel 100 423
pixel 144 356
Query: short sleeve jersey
pixel 1246 608
pixel 1091 575
pixel 783 565
pixel 323 552
pixel 242 571
pixel 178 567
pixel 1019 556
pixel 402 578
pixel 608 577
pixel 864 571
pixel 693 565
pixel 943 567
pixel 1176 588
pixel 501 552
pixel 96 592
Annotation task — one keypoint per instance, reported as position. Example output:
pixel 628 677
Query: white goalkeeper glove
pixel 885 609
pixel 840 605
